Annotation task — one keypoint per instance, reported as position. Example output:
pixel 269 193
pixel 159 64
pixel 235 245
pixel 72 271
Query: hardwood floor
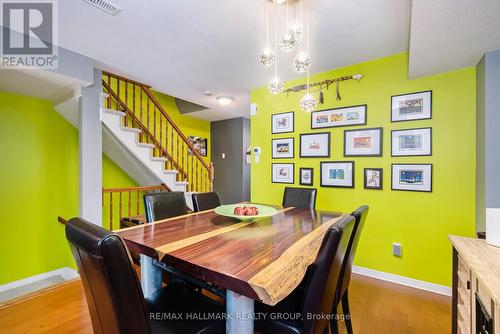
pixel 377 308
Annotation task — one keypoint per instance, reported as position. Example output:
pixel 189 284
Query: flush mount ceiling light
pixel 225 100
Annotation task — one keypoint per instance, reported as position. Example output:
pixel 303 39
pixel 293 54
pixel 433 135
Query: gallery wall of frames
pixel 405 147
pixel 361 142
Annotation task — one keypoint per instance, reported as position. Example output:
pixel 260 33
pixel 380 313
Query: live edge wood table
pixel 262 260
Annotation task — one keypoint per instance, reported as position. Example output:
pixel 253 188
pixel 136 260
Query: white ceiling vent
pixel 106 6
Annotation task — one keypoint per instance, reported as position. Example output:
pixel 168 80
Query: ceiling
pixel 43 84
pixel 183 48
pixel 451 34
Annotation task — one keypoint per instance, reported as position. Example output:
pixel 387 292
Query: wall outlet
pixel 397 249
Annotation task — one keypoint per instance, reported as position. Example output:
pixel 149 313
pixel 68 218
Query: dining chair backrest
pixel 360 215
pixel 300 197
pixel 319 290
pixel 114 296
pixel 166 204
pixel 205 201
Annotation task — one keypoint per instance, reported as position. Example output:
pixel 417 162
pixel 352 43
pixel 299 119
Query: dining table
pixel 262 259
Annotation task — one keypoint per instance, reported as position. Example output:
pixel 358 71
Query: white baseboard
pixel 65 272
pixel 402 280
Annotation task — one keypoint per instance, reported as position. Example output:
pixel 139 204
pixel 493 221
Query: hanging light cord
pixel 276 39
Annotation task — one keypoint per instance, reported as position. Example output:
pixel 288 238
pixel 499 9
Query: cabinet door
pixel 464 298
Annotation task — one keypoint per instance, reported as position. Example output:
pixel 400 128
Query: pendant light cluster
pixel 292 39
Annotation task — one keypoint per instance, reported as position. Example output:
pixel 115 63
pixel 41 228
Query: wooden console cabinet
pixel 476 287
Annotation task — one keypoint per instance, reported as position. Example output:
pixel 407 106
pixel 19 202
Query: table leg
pixel 151 276
pixel 240 314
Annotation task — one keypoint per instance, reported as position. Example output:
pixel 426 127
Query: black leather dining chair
pixel 205 201
pixel 166 204
pixel 114 295
pixel 312 300
pixel 300 197
pixel 342 293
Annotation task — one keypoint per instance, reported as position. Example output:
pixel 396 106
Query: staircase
pixel 135 118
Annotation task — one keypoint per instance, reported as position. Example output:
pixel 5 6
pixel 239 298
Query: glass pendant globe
pixel 275 86
pixel 308 103
pixel 301 62
pixel 296 32
pixel 287 43
pixel 267 57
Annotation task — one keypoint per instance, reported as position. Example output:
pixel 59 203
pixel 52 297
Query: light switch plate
pixel 397 250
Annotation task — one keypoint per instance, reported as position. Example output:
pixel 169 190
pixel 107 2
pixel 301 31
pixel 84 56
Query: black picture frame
pixel 380 148
pixel 340 162
pixel 272 148
pixel 282 113
pixel 192 140
pixel 314 134
pixel 312 176
pixel 285 163
pixel 412 155
pixel 411 190
pixel 411 120
pixel 381 171
pixel 340 108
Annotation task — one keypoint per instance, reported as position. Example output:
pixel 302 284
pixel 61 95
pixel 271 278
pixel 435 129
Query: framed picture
pixel 411 142
pixel 315 145
pixel 282 173
pixel 345 116
pixel 199 144
pixel 306 176
pixel 411 107
pixel 283 122
pixel 337 174
pixel 412 177
pixel 363 143
pixel 373 178
pixel 282 148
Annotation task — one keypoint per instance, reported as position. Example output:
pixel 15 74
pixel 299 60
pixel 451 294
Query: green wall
pixel 39 182
pixel 421 222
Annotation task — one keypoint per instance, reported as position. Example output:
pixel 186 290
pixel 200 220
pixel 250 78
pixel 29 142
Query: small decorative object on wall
pixel 283 122
pixel 315 145
pixel 363 143
pixel 337 174
pixel 373 178
pixel 306 176
pixel 282 148
pixel 346 116
pixel 200 144
pixel 410 107
pixel 411 142
pixel 412 177
pixel 282 173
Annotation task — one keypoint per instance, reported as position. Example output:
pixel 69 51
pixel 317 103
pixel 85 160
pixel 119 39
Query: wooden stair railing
pixel 125 202
pixel 144 112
